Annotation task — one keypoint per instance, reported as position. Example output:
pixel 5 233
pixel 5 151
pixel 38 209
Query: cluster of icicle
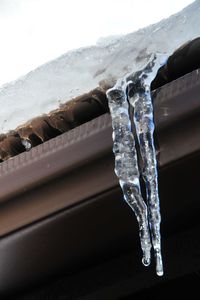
pixel 133 93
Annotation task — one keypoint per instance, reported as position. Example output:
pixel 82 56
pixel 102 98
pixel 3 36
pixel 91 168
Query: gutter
pixel 177 108
pixel 69 181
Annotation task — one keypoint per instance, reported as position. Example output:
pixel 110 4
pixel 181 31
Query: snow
pixel 81 70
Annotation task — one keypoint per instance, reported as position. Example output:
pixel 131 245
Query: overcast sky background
pixel 35 31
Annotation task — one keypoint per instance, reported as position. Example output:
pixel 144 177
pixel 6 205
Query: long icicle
pixel 126 164
pixel 135 88
pixel 144 124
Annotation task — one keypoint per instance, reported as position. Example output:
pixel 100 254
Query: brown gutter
pixel 79 164
pixel 61 208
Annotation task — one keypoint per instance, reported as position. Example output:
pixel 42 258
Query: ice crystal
pixel 134 91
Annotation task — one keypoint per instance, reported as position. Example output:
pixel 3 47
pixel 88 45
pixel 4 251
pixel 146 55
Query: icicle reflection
pixel 135 89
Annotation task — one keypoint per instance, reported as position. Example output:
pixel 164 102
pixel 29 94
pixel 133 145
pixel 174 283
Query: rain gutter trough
pixel 60 203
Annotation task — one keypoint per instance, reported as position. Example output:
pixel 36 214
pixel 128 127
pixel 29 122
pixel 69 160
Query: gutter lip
pixel 53 145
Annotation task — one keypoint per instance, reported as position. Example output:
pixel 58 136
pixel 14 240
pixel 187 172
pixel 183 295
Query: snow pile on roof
pixel 80 71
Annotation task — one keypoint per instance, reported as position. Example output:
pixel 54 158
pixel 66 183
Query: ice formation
pixel 133 91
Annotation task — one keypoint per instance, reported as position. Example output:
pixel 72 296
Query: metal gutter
pixel 69 181
pixel 177 108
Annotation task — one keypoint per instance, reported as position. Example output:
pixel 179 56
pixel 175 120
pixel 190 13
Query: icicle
pixel 137 87
pixel 144 124
pixel 126 165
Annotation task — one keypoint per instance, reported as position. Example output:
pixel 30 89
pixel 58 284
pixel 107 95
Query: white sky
pixel 35 31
